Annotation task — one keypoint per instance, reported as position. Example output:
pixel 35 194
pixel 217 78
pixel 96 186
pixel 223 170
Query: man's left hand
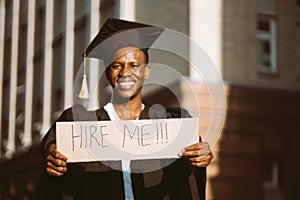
pixel 198 154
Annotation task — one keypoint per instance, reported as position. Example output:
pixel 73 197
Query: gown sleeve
pixel 51 187
pixel 199 173
pixel 50 136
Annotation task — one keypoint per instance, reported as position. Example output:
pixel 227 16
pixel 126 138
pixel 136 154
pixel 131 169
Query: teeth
pixel 126 83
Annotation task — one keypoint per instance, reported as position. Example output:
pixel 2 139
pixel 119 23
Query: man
pixel 183 178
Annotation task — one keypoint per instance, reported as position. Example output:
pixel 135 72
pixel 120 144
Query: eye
pixel 135 65
pixel 116 66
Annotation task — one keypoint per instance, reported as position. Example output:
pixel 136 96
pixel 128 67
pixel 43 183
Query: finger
pixel 190 153
pixel 199 159
pixel 53 167
pixel 194 153
pixel 58 155
pixel 62 169
pixel 197 146
pixel 56 161
pixel 201 164
pixel 53 172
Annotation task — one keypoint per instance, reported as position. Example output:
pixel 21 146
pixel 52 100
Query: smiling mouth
pixel 126 84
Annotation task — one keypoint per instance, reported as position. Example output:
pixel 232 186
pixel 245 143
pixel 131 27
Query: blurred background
pixel 254 44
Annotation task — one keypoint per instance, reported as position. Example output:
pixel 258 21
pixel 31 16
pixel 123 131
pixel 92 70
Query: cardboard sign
pixel 85 141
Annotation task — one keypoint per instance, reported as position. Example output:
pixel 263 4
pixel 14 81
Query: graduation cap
pixel 116 34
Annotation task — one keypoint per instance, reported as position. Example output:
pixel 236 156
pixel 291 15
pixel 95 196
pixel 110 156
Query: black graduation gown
pixel 95 180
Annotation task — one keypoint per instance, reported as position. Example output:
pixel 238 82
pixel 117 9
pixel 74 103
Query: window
pixel 266 44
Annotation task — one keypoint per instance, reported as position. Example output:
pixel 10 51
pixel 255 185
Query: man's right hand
pixel 56 162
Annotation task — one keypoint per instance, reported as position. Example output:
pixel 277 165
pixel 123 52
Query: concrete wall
pixel 170 14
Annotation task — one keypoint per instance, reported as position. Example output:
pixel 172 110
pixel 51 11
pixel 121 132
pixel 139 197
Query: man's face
pixel 128 72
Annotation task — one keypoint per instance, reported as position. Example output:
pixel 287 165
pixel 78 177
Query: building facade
pixel 255 46
pixel 258 51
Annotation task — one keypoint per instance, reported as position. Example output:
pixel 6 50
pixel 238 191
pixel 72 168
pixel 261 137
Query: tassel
pixel 84 91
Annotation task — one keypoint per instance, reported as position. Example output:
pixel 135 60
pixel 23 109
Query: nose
pixel 125 70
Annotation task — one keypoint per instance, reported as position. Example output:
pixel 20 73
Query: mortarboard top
pixel 116 33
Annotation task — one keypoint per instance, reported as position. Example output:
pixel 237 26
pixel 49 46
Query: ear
pixel 147 72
